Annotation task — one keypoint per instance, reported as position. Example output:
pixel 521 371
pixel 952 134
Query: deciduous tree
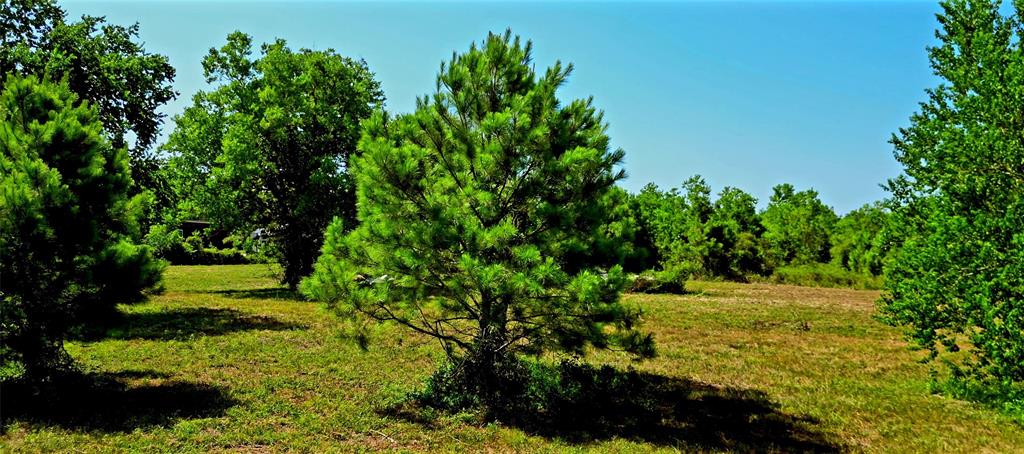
pixel 104 64
pixel 958 280
pixel 268 148
pixel 797 226
pixel 858 243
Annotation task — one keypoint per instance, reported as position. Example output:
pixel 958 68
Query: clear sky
pixel 747 94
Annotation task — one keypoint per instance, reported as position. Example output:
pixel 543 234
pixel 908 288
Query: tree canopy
pixel 102 63
pixel 696 236
pixel 797 226
pixel 268 147
pixel 858 241
pixel 958 279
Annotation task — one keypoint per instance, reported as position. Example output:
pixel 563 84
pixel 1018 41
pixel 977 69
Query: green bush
pixel 164 240
pixel 566 399
pixel 214 256
pixel 824 275
pixel 169 245
pixel 1007 397
pixel 458 387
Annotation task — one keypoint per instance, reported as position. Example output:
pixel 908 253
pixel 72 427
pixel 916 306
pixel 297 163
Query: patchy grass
pixel 227 361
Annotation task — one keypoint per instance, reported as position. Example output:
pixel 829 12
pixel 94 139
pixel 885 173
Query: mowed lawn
pixel 225 360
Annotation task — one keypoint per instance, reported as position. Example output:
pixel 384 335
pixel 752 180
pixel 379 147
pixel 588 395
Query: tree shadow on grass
pixel 109 402
pixel 585 404
pixel 185 323
pixel 262 294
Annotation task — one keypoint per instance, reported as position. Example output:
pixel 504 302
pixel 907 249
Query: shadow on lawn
pixel 109 402
pixel 184 323
pixel 592 404
pixel 262 294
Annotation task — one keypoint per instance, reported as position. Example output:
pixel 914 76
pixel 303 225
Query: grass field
pixel 225 360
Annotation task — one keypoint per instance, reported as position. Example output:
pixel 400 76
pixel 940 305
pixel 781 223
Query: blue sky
pixel 747 94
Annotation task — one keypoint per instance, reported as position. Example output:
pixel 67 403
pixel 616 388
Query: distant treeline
pixel 687 232
pixel 678 234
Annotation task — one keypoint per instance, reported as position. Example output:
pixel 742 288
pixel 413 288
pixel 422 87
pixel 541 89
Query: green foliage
pixel 622 240
pixel 479 216
pixel 68 228
pixel 824 275
pixel 693 236
pixel 734 230
pixel 957 283
pixel 798 227
pixel 661 216
pixel 169 244
pixel 518 386
pixel 1006 397
pixel 858 242
pixel 164 240
pixel 568 397
pixel 269 146
pixel 694 250
pixel 103 64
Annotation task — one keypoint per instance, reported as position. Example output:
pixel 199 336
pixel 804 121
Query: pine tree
pixel 477 212
pixel 67 225
pixel 103 63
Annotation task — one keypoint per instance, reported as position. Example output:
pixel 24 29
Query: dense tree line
pixel 686 233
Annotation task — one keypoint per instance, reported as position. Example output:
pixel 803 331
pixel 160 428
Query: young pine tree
pixel 477 212
pixel 67 225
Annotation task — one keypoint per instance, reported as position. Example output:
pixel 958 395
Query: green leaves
pixel 858 242
pixel 269 147
pixel 957 281
pixel 104 64
pixel 482 214
pixel 693 236
pixel 798 227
